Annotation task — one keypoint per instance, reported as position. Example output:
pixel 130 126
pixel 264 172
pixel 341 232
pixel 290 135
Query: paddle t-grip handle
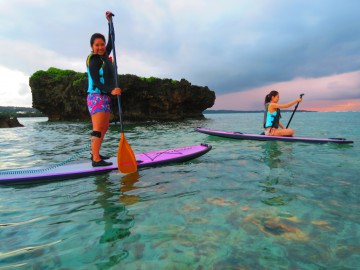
pixel 110 13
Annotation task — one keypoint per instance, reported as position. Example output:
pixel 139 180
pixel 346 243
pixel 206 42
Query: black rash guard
pixel 96 63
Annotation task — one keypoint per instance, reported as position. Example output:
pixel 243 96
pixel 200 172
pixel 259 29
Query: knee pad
pixel 96 134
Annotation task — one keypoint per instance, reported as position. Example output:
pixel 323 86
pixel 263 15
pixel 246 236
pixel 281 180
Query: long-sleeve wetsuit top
pixel 98 62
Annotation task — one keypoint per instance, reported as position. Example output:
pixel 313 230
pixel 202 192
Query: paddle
pixel 293 112
pixel 126 158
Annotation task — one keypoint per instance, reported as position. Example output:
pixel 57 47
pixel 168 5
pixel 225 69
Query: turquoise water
pixel 244 205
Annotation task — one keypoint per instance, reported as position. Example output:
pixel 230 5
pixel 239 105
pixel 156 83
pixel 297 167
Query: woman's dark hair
pixel 95 36
pixel 268 97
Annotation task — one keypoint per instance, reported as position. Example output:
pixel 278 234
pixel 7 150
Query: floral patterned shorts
pixel 98 103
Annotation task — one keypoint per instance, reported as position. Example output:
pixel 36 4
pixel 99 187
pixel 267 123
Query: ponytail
pixel 268 97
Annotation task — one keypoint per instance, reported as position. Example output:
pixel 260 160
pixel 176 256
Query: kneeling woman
pixel 272 115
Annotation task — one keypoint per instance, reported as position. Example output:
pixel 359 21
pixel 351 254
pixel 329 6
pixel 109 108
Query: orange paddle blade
pixel 126 157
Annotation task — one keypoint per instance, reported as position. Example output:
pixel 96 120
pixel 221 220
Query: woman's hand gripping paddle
pixel 294 112
pixel 126 158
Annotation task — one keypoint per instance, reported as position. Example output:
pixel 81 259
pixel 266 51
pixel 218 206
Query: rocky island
pixel 61 96
pixel 9 122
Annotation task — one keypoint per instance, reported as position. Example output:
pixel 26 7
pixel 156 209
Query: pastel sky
pixel 238 48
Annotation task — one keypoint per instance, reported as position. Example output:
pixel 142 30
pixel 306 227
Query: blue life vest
pixel 106 75
pixel 91 87
pixel 271 119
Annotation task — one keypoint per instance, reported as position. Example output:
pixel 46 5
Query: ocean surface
pixel 243 205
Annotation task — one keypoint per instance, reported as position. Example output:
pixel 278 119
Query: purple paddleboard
pixel 259 137
pixel 84 168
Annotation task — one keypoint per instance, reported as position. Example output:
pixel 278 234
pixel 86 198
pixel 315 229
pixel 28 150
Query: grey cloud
pixel 240 47
pixel 292 42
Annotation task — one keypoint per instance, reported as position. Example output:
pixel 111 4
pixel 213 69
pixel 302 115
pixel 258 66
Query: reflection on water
pixel 271 154
pixel 275 157
pixel 116 220
pixel 128 184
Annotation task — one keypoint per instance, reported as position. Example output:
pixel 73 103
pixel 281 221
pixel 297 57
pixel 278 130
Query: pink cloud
pixel 340 92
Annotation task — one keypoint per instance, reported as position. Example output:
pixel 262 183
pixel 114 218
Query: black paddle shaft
pixel 293 112
pixel 112 34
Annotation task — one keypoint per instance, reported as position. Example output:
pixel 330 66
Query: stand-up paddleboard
pixel 259 137
pixel 84 168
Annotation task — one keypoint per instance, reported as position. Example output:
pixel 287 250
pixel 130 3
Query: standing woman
pixel 101 78
pixel 272 115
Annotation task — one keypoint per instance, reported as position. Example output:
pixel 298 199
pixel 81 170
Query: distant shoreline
pixel 13 111
pixel 257 111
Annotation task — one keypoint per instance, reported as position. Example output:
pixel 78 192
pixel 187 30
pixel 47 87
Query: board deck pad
pixel 84 168
pixel 260 137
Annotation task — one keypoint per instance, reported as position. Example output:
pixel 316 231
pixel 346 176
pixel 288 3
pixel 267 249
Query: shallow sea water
pixel 243 205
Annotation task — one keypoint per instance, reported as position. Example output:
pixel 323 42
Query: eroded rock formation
pixel 61 95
